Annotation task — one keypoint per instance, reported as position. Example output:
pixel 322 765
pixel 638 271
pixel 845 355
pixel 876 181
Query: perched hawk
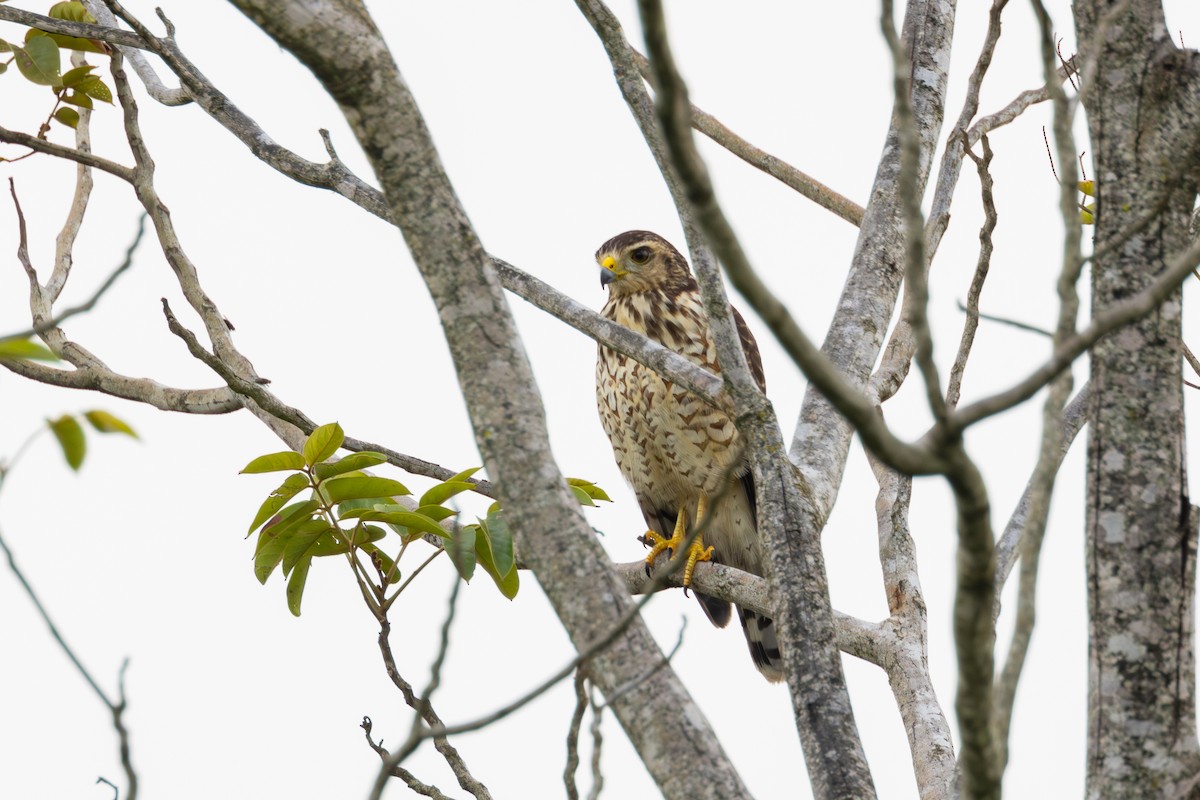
pixel 676 450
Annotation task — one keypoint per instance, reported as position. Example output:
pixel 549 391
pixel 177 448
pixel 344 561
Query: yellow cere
pixel 609 262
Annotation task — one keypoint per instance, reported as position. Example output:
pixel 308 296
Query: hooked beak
pixel 608 271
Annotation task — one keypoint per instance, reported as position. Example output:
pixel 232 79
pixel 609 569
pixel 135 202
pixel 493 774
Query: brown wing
pixel 750 348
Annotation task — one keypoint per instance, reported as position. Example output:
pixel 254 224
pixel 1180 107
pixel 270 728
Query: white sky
pixel 142 554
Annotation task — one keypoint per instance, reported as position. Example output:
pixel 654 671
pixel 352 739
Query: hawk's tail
pixel 764 646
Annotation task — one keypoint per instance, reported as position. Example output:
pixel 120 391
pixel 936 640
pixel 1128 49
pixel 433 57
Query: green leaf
pixel 72 11
pixel 351 463
pixel 275 462
pixel 268 554
pixel 5 47
pixel 77 99
pixel 39 61
pixel 323 443
pixel 82 45
pixel 12 349
pixel 593 491
pixel 340 489
pixel 461 549
pixel 72 77
pixel 444 491
pixel 70 437
pixel 293 485
pixel 292 516
pixel 105 422
pixel 502 543
pixel 436 513
pixel 302 539
pixel 295 587
pixel 418 523
pixel 462 476
pixel 3 67
pixel 366 534
pixel 68 117
pixel 94 87
pixel 581 496
pixel 485 551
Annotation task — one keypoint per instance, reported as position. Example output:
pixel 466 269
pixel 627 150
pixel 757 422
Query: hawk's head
pixel 636 261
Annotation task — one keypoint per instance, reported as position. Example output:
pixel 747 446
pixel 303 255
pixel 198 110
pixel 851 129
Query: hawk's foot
pixel 695 554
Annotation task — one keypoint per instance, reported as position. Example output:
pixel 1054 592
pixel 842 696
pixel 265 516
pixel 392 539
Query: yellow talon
pixel 696 553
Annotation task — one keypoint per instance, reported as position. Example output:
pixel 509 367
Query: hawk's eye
pixel 640 255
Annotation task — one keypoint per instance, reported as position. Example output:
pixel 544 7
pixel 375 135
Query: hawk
pixel 678 452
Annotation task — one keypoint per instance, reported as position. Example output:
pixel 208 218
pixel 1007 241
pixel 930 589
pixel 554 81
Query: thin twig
pixel 410 780
pixel 597 743
pixel 1110 319
pixel 804 184
pixel 581 705
pixel 1012 323
pixel 90 303
pixel 982 264
pixel 117 708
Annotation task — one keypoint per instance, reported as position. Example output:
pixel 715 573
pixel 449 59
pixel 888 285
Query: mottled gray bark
pixel 1143 106
pixel 339 42
pixel 855 336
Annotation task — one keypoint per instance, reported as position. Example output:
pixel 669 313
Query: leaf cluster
pixel 345 511
pixel 39 61
pixel 68 430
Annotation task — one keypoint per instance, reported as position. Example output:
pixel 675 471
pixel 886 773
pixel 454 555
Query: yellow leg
pixel 696 553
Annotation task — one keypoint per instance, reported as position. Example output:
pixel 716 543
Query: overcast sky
pixel 142 553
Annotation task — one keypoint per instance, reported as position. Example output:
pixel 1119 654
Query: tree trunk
pixel 1141 530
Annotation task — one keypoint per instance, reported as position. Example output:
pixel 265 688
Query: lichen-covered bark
pixel 1143 107
pixel 855 336
pixel 339 42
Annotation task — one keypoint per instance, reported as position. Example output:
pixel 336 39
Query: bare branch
pixel 666 362
pixel 1074 416
pixel 59 151
pixel 1110 319
pixel 168 96
pixel 1012 323
pixel 83 30
pixel 804 184
pixel 65 242
pixel 332 175
pixel 982 264
pixel 907 661
pixel 822 435
pixel 115 708
pixel 509 425
pixel 90 303
pixel 908 179
pixel 821 705
pixel 410 780
pixel 581 705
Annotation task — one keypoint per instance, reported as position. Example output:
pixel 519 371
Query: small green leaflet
pixel 293 485
pixel 105 422
pixel 461 549
pixel 302 539
pixel 11 349
pixel 323 443
pixel 493 543
pixel 351 463
pixel 69 433
pixel 358 488
pixel 39 61
pixel 295 587
pixel 275 462
pixel 586 491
